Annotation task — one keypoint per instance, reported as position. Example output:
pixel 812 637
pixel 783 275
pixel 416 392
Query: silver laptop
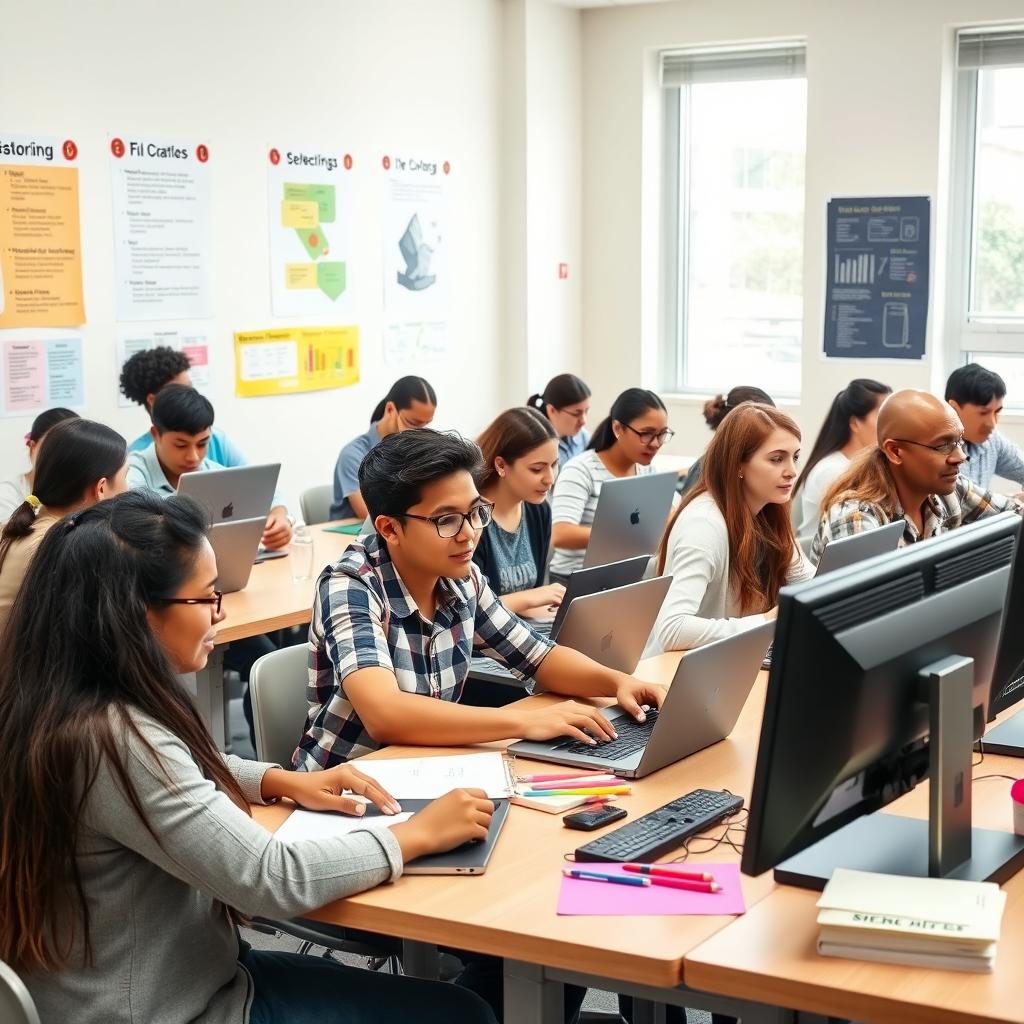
pixel 242 492
pixel 630 518
pixel 710 687
pixel 584 582
pixel 844 551
pixel 235 544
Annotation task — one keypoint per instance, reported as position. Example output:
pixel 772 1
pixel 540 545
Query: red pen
pixel 668 871
pixel 581 782
pixel 685 883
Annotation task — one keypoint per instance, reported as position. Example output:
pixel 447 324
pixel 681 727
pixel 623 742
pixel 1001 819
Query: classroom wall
pixel 878 123
pixel 373 76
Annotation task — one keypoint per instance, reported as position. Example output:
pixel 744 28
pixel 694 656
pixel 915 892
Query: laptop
pixel 708 691
pixel 235 544
pixel 630 518
pixel 242 492
pixel 611 627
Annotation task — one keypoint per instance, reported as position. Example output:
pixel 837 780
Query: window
pixel 986 311
pixel 735 127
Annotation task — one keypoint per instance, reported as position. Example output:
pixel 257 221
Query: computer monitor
pixel 879 680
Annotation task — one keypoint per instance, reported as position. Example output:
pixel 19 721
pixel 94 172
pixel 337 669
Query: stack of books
pixel 923 922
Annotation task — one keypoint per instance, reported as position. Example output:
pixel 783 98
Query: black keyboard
pixel 631 737
pixel 645 839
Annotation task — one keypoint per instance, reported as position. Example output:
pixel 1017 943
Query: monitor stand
pixel 944 845
pixel 1006 738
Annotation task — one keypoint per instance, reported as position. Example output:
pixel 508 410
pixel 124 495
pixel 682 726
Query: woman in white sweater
pixel 730 546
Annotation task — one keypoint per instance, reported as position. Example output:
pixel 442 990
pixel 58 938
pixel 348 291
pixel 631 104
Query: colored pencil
pixel 585 876
pixel 684 883
pixel 591 782
pixel 555 776
pixel 668 871
pixel 603 791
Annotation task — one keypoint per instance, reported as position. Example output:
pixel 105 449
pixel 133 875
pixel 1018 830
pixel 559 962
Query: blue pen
pixel 586 876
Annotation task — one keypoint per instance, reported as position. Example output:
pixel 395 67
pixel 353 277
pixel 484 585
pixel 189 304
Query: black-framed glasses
pixel 650 436
pixel 450 524
pixel 577 414
pixel 946 448
pixel 218 597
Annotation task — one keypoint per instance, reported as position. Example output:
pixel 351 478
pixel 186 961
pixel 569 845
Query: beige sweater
pixel 16 563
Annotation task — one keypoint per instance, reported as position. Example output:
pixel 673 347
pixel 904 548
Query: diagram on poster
pixel 286 360
pixel 40 240
pixel 163 230
pixel 310 230
pixel 193 343
pixel 416 247
pixel 41 369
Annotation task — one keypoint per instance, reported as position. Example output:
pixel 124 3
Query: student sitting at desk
pixel 409 405
pixel 129 851
pixel 730 545
pixel 624 444
pixel 565 402
pixel 84 464
pixel 977 396
pixel 913 474
pixel 14 491
pixel 520 452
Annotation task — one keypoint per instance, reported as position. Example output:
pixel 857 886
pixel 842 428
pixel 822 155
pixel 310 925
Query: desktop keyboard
pixel 645 839
pixel 632 736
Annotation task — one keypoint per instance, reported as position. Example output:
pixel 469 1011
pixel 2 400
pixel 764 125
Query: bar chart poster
pixel 287 360
pixel 876 304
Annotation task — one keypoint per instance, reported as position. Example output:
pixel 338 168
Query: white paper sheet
pixel 425 778
pixel 316 825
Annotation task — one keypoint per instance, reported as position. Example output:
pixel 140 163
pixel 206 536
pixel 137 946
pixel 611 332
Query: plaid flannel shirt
pixel 364 617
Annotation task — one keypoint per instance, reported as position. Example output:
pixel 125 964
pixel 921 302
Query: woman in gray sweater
pixel 127 846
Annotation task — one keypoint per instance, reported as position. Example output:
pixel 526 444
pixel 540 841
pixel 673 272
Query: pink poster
pixel 25 379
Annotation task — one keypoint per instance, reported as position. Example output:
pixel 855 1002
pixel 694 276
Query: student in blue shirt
pixel 565 402
pixel 409 405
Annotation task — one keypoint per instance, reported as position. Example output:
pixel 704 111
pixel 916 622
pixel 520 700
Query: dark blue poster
pixel 876 304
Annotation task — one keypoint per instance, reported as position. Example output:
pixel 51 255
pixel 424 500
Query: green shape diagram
pixel 297 193
pixel 323 196
pixel 313 241
pixel 330 277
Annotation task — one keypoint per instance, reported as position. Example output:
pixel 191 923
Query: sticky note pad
pixel 299 214
pixel 300 275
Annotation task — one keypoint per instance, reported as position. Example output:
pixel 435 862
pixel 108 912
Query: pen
pixel 668 871
pixel 684 883
pixel 587 783
pixel 555 777
pixel 585 876
pixel 601 791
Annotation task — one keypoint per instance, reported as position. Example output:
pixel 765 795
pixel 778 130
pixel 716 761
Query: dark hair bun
pixel 715 410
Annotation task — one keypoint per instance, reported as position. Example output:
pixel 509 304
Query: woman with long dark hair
pixel 15 490
pixel 849 427
pixel 128 850
pixel 565 401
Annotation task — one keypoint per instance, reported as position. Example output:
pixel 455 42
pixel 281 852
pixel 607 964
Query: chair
pixel 315 504
pixel 16 1006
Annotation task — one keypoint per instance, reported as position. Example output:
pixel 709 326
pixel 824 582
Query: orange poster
pixel 40 241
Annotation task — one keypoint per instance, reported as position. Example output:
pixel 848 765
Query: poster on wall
pixel 194 342
pixel 40 369
pixel 417 257
pixel 40 240
pixel 163 230
pixel 310 194
pixel 876 304
pixel 286 360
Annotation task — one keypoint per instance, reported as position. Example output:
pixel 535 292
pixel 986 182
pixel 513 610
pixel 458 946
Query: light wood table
pixel 510 911
pixel 769 954
pixel 271 600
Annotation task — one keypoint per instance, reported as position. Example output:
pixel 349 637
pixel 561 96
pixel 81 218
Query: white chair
pixel 315 504
pixel 16 1006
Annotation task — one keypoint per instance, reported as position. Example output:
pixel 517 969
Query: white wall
pixel 375 76
pixel 878 123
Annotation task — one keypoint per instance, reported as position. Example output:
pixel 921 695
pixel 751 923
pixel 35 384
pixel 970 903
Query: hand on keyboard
pixel 568 718
pixel 632 693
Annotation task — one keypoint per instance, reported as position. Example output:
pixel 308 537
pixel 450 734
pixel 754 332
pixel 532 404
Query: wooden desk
pixel 510 910
pixel 769 955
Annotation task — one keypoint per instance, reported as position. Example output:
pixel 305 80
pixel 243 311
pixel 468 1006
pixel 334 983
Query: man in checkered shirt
pixel 913 474
pixel 397 618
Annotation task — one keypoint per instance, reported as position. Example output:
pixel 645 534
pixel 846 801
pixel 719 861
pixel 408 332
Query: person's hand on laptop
pixel 544 601
pixel 458 817
pixel 329 790
pixel 278 530
pixel 633 694
pixel 567 718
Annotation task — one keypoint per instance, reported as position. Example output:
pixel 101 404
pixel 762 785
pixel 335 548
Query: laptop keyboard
pixel 632 736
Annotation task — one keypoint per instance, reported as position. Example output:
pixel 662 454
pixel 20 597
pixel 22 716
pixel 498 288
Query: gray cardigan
pixel 164 949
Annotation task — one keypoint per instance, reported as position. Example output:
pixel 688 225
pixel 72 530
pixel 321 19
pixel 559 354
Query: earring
pixel 741 476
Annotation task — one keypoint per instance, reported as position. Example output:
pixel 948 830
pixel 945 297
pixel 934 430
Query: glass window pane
pixel 741 223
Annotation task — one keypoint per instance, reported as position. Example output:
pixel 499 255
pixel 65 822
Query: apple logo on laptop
pixel 634 516
pixel 606 640
pixel 228 510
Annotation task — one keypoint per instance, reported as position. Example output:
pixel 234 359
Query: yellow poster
pixel 40 242
pixel 285 360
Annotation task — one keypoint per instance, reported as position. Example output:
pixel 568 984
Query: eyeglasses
pixel 648 437
pixel 218 596
pixel 946 448
pixel 450 524
pixel 577 414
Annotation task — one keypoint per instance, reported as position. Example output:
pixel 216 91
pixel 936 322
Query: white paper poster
pixel 163 232
pixel 310 202
pixel 193 342
pixel 40 369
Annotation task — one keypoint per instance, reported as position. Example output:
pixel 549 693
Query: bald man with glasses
pixel 913 474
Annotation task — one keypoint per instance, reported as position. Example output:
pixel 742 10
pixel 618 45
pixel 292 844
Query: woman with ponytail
pixel 624 444
pixel 14 491
pixel 81 463
pixel 848 428
pixel 409 405
pixel 565 402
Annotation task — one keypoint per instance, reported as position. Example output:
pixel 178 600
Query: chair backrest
pixel 16 1006
pixel 277 684
pixel 315 504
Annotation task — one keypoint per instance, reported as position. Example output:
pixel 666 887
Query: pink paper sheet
pixel 580 898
